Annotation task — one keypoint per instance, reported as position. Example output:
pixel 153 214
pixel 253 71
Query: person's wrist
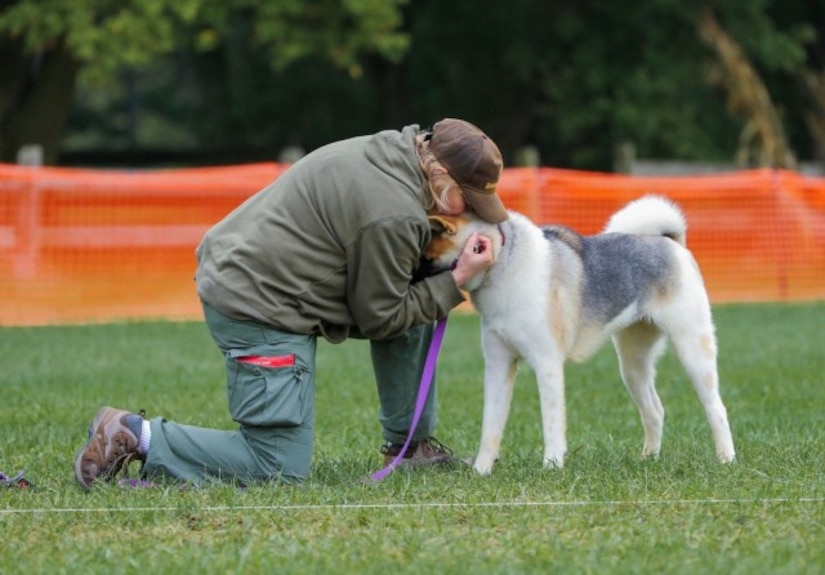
pixel 459 276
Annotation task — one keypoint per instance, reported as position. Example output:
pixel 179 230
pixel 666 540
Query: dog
pixel 554 295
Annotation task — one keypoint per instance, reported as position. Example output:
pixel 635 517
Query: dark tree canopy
pixel 191 81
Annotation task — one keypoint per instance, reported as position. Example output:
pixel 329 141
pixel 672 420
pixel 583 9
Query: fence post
pixel 781 231
pixel 27 254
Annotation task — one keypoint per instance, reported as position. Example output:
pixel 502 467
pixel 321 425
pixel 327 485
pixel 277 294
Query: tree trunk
pixel 814 82
pixel 762 142
pixel 35 99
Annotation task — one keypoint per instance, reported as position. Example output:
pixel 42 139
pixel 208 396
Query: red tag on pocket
pixel 269 361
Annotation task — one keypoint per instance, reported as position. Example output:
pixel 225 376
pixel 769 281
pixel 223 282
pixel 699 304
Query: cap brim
pixel 487 205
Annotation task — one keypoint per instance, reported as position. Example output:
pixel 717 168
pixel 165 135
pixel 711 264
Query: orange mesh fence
pixel 757 235
pixel 94 245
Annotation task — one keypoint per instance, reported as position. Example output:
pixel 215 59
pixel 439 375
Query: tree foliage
pixel 101 37
pixel 240 79
pixel 107 35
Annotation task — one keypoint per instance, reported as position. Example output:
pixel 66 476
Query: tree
pixel 574 78
pixel 810 83
pixel 45 45
pixel 763 141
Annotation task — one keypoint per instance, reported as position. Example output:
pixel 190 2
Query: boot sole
pixel 78 475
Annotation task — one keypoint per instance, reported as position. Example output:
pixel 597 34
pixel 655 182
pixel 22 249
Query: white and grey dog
pixel 555 295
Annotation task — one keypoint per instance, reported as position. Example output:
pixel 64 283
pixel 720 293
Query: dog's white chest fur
pixel 514 290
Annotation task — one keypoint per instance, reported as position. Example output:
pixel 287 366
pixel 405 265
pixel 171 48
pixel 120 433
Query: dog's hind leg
pixel 638 347
pixel 500 363
pixel 697 352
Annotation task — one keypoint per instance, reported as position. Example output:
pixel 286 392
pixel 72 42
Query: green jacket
pixel 330 247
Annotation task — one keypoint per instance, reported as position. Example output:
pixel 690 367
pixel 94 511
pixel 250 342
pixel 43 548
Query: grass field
pixel 607 511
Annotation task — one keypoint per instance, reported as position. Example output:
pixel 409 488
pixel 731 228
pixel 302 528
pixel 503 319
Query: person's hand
pixel 476 257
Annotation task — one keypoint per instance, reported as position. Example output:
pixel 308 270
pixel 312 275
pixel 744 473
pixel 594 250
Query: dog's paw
pixel 554 462
pixel 483 466
pixel 648 454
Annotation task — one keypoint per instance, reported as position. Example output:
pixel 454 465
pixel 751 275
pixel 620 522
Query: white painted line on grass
pixel 433 505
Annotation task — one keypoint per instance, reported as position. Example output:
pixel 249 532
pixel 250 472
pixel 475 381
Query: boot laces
pixel 123 457
pixel 436 446
pixel 429 445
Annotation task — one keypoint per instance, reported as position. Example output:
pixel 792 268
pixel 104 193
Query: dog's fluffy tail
pixel 650 215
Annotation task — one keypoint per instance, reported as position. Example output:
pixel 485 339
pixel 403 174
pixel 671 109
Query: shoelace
pixel 439 447
pixel 435 446
pixel 120 463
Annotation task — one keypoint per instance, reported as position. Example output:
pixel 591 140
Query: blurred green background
pixel 584 84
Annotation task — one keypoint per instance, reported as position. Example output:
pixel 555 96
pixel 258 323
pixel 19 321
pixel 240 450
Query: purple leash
pixel 423 391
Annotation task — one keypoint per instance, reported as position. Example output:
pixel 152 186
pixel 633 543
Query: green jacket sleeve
pixel 381 262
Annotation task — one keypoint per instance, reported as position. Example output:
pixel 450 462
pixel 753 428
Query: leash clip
pixel 17 481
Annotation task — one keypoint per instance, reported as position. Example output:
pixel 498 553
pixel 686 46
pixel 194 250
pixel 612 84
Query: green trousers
pixel 270 378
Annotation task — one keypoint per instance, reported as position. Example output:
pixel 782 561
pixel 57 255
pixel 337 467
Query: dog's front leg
pixel 550 380
pixel 499 378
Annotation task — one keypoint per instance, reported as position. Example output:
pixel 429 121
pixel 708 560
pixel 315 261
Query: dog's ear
pixel 441 225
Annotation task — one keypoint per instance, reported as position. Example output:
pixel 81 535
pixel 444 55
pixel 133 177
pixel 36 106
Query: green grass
pixel 607 511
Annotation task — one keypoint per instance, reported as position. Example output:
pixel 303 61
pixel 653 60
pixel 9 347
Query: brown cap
pixel 474 161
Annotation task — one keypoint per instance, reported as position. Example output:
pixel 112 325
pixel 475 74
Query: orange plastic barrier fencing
pixel 97 245
pixel 757 235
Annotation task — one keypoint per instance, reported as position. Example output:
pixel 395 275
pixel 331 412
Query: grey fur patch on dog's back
pixel 621 269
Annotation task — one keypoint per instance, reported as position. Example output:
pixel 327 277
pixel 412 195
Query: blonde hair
pixel 439 181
